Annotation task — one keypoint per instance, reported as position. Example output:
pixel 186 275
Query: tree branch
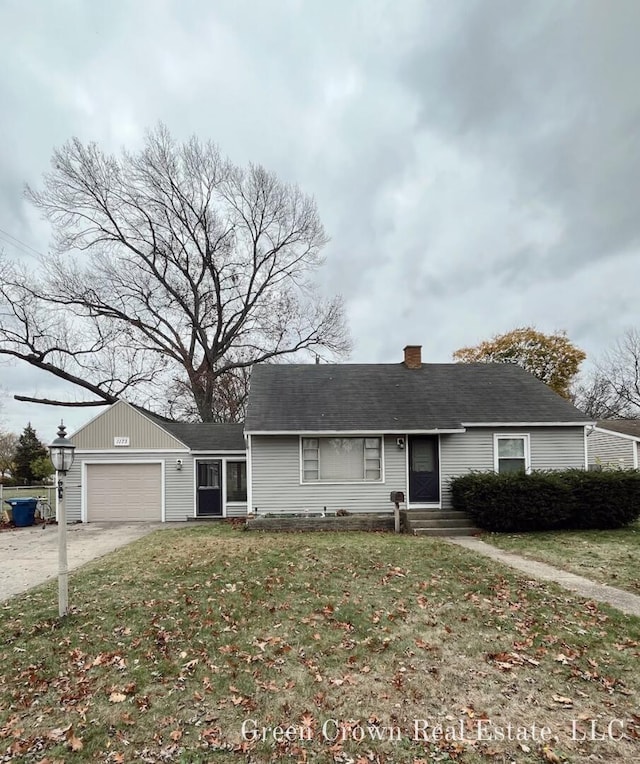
pixel 70 404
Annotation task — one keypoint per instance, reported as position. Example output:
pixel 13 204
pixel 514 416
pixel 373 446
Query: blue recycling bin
pixel 23 511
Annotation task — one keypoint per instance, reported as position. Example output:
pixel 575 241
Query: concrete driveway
pixel 29 556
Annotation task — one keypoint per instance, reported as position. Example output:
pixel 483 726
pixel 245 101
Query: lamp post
pixel 61 455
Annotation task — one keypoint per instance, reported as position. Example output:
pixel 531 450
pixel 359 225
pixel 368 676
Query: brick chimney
pixel 413 356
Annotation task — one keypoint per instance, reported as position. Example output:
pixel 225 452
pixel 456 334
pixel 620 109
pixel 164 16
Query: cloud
pixel 547 91
pixel 475 162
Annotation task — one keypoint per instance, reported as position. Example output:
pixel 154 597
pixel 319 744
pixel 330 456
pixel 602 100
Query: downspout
pixel 588 430
pixel 247 439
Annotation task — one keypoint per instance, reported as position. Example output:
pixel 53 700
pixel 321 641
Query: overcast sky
pixel 476 164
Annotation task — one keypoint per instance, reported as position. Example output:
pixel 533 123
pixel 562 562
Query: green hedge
pixel 549 500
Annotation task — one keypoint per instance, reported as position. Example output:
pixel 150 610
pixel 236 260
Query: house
pixel 320 438
pixel 329 437
pixel 131 465
pixel 615 443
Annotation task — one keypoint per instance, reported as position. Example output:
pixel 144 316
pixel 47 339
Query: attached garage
pixel 131 465
pixel 124 492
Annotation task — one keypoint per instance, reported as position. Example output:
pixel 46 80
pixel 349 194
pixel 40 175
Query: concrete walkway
pixel 624 601
pixel 29 556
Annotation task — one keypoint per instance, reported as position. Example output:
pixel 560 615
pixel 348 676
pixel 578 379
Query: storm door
pixel 209 487
pixel 424 469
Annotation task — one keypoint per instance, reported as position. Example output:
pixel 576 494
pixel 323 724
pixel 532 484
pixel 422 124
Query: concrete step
pixel 433 514
pixel 446 522
pixel 457 531
pixel 438 522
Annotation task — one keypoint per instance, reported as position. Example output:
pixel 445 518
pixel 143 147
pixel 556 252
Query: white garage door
pixel 124 492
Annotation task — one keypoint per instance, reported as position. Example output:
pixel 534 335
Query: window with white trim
pixel 236 481
pixel 337 460
pixel 511 453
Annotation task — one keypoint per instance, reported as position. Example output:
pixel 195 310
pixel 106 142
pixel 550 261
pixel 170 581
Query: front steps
pixel 437 522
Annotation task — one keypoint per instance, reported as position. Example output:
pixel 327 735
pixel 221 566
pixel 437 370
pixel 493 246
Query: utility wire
pixel 27 249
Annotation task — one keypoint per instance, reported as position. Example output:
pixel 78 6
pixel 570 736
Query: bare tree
pixel 621 368
pixel 230 394
pixel 173 272
pixel 597 397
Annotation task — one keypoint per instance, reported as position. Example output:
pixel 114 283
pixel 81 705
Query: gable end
pixel 126 422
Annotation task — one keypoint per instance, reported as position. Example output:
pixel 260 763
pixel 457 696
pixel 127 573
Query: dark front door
pixel 209 488
pixel 424 470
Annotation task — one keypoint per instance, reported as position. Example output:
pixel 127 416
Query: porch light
pixel 61 455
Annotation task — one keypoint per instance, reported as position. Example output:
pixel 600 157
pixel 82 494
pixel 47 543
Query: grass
pixel 19 492
pixel 609 557
pixel 349 639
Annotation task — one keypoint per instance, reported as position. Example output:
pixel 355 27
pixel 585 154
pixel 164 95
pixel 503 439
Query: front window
pixel 338 460
pixel 512 453
pixel 236 481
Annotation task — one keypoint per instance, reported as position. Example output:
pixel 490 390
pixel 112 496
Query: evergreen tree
pixel 28 452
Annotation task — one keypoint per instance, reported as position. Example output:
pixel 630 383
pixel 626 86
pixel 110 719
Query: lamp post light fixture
pixel 61 455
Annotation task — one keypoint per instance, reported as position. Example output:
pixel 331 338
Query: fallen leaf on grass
pixel 550 756
pixel 59 733
pixel 564 701
pixel 117 697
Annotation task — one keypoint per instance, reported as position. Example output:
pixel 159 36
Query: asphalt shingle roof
pixel 388 397
pixel 203 436
pixel 625 426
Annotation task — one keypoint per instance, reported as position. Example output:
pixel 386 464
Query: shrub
pixel 607 499
pixel 514 501
pixel 548 500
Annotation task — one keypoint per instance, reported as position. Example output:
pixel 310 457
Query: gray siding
pixel 179 488
pixel 275 466
pixel 551 448
pixel 73 492
pixel 608 449
pixel 236 510
pixel 179 485
pixel 123 420
pixel 461 453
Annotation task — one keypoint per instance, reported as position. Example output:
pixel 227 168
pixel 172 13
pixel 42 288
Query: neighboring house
pixel 131 465
pixel 615 443
pixel 329 437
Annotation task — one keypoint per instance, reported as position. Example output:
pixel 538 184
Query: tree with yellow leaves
pixel 552 358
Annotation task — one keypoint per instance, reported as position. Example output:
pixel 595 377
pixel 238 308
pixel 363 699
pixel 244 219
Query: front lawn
pixel 368 647
pixel 609 557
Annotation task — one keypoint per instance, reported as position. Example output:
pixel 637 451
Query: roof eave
pixel 380 430
pixel 529 424
pixel 623 435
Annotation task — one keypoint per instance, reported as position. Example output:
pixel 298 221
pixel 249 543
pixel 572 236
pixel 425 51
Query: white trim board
pixel 220 452
pixel 527 424
pixel 126 450
pixel 354 433
pixel 622 435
